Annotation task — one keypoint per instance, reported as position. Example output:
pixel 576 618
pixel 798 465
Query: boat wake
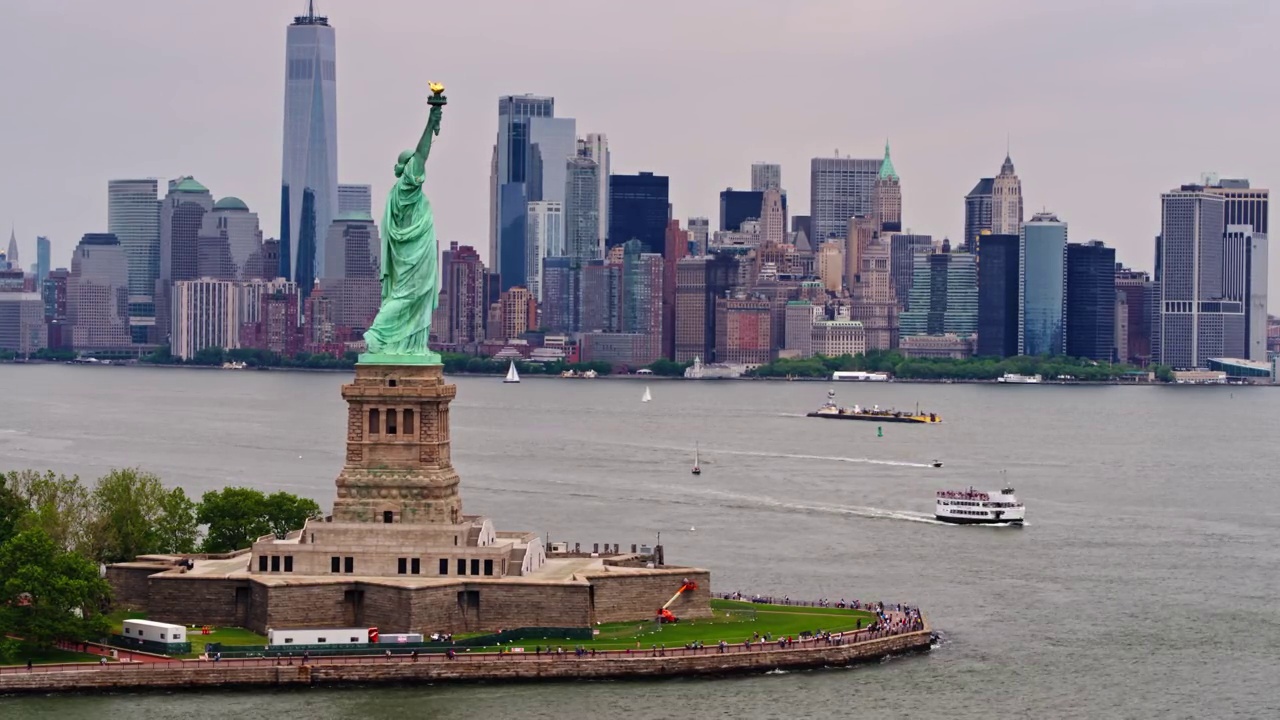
pixel 847 510
pixel 829 458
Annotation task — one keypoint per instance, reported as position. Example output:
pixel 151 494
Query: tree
pixel 286 511
pixel 134 514
pixel 13 508
pixel 49 594
pixel 58 505
pixel 237 516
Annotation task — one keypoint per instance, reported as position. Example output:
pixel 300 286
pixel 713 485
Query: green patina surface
pixel 427 357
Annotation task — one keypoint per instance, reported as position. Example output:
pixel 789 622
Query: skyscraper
pixel 699 235
pixel 1140 294
pixel 309 180
pixel 355 198
pixel 1091 301
pixel 133 216
pixel 944 296
pixel 582 209
pixel 1006 201
pixel 766 176
pixel 887 196
pixel 98 294
pixel 353 261
pixel 42 259
pixel 1042 278
pixel 839 188
pixel 12 255
pixel 977 215
pixel 560 293
pixel 642 298
pixel 1195 320
pixel 596 148
pixel 1248 207
pixel 639 206
pixel 773 217
pixel 462 292
pixel 510 184
pixel 902 251
pixel 544 238
pixel 998 273
pixel 181 217
pixel 229 246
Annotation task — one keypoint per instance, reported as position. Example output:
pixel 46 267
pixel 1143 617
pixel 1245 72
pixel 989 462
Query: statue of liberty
pixel 410 259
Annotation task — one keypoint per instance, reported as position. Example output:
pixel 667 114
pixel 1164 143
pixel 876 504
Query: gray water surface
pixel 1144 585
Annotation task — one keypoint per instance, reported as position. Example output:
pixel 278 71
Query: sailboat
pixel 697 469
pixel 512 375
pixel 647 396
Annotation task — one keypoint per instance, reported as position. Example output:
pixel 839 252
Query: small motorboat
pixel 937 463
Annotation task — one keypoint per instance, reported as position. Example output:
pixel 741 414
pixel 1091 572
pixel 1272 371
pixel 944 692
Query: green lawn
pixel 224 635
pixel 48 656
pixel 733 622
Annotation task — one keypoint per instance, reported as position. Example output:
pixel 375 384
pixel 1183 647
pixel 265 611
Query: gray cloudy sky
pixel 1108 102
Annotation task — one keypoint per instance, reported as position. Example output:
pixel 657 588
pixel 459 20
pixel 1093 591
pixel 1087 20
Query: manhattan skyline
pixel 1106 105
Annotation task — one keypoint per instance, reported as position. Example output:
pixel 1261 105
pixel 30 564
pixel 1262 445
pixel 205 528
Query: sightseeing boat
pixel 1016 379
pixel 875 413
pixel 979 507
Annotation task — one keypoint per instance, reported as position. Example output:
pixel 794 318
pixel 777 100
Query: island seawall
pixel 707 662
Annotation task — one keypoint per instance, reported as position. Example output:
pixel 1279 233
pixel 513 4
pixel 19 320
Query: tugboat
pixel 834 412
pixel 979 507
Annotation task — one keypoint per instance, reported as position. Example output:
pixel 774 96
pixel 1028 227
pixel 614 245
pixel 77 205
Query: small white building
pixel 321 636
pixel 156 632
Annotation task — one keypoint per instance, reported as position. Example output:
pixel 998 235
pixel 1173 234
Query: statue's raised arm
pixel 437 101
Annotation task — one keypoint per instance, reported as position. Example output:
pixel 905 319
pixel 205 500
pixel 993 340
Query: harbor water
pixel 1144 584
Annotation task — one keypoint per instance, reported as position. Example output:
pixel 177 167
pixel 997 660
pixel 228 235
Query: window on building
pixel 335 564
pixel 375 421
pixel 288 563
pixel 488 567
pixel 462 566
pixel 275 563
pixel 391 422
pixel 475 566
pixel 402 566
pixel 388 516
pixel 348 564
pixel 455 540
pixel 408 422
pixel 321 640
pixel 415 566
pixel 391 382
pixel 262 563
pixel 444 566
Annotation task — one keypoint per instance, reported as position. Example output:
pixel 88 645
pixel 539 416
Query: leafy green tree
pixel 58 505
pixel 135 514
pixel 286 511
pixel 237 516
pixel 13 508
pixel 49 594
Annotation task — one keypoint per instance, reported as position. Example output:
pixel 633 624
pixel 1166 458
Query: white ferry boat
pixel 1016 379
pixel 979 507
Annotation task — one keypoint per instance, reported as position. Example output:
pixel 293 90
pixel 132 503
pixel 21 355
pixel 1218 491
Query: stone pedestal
pixel 398 467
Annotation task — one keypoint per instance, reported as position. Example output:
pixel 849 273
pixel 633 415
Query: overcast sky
pixel 1107 102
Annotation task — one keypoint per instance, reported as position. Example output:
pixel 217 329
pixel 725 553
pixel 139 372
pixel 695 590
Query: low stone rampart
pixel 465 668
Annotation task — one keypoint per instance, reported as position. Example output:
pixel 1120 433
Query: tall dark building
pixel 639 207
pixel 1091 301
pixel 1139 305
pixel 738 206
pixel 977 213
pixel 722 278
pixel 998 295
pixel 561 291
pixel 802 223
pixel 902 252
